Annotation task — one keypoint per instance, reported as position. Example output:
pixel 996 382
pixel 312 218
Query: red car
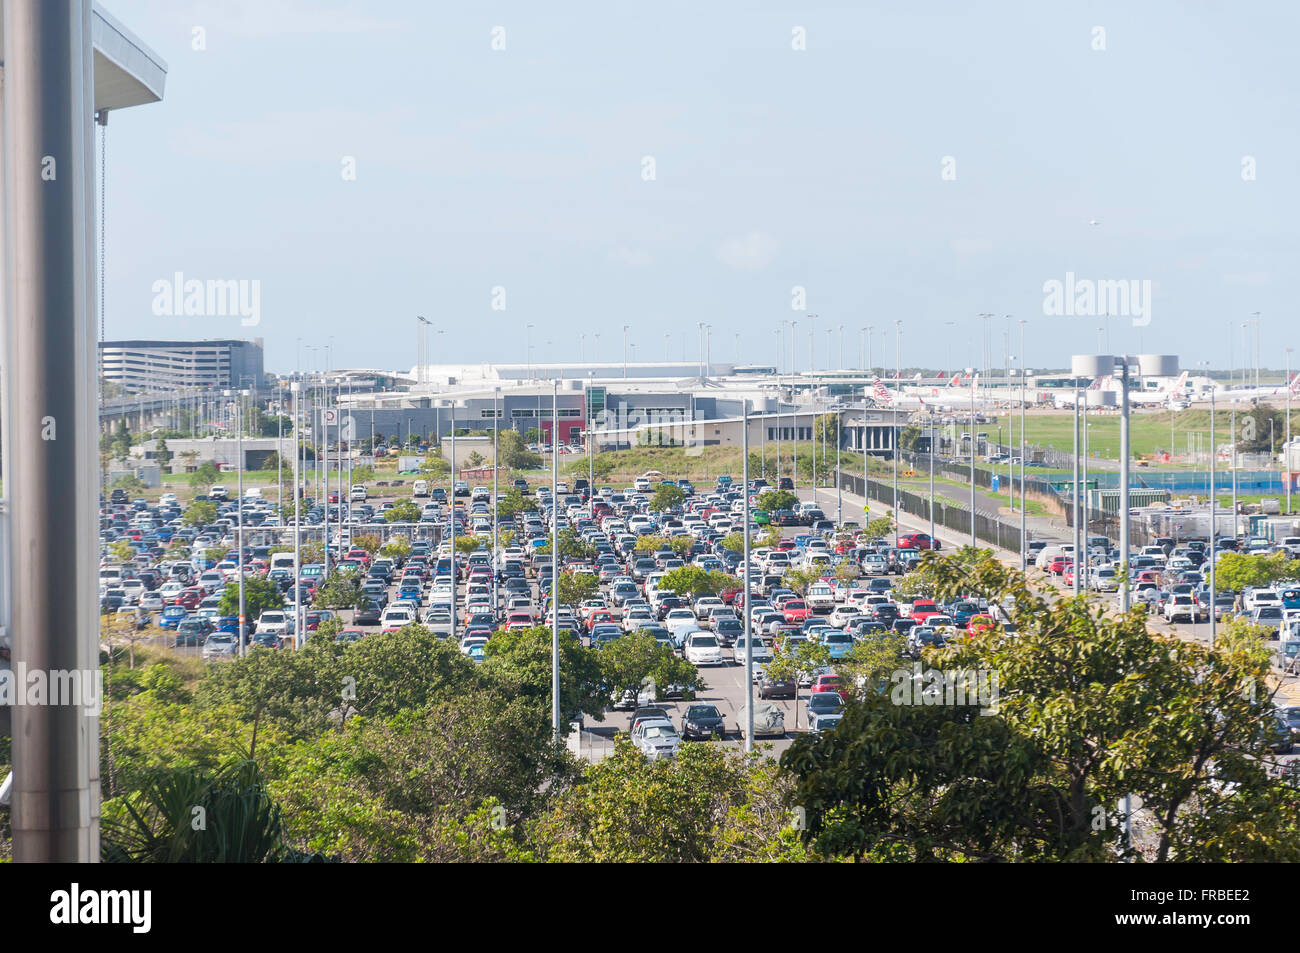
pixel 922 608
pixel 190 598
pixel 1058 565
pixel 795 611
pixel 917 541
pixel 829 683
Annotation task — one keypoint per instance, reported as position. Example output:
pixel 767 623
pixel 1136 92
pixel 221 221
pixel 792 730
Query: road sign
pixel 330 416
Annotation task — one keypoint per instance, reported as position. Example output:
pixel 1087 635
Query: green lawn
pixel 1148 430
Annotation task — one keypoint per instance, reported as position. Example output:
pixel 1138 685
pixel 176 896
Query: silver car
pixel 656 739
pixel 220 645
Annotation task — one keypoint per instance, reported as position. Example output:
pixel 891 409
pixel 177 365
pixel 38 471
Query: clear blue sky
pixel 522 168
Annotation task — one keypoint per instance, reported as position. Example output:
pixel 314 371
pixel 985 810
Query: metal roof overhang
pixel 127 73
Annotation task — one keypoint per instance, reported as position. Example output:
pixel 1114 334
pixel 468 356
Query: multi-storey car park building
pixel 147 366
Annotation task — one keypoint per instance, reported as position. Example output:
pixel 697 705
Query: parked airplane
pixel 1259 393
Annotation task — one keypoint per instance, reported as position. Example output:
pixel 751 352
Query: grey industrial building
pixel 144 366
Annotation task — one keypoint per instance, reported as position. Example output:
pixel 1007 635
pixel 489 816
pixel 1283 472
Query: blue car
pixel 1290 597
pixel 837 644
pixel 171 616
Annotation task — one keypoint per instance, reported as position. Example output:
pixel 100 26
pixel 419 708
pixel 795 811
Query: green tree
pixel 800 580
pixel 513 503
pixel 807 659
pixel 518 664
pixel 572 546
pixel 514 454
pixel 155 824
pixel 666 496
pixel 200 513
pixel 340 590
pixel 121 551
pixel 694 582
pixel 705 804
pixel 162 454
pixel 260 594
pixel 397 547
pixel 881 526
pixel 404 511
pixel 908 437
pixel 129 482
pixel 206 475
pixel 826 428
pixel 474 460
pixel 363 474
pixel 577 587
pixel 1238 571
pixel 632 661
pixel 447 782
pixel 1074 711
pixel 773 500
pixel 532 435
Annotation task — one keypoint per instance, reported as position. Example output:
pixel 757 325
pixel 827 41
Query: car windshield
pixel 705 642
pixel 660 731
pixel 702 711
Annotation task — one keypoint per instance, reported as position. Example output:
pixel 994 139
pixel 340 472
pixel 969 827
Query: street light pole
pixel 496 468
pixel 555 560
pixel 898 376
pixel 1286 452
pixel 625 327
pixel 1024 523
pixel 297 523
pixel 748 597
pixel 973 541
pixel 1074 503
pixel 1214 622
pixel 239 458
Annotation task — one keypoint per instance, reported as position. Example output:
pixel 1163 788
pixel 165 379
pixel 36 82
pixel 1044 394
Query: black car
pixel 777 688
pixel 704 722
pixel 370 613
pixel 727 629
pixel 785 483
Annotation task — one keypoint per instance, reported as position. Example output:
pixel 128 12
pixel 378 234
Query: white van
pixel 420 488
pixel 282 561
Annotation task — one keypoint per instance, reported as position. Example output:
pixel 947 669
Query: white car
pixel 703 606
pixel 395 617
pixel 636 618
pixel 677 618
pixel 821 597
pixel 762 653
pixel 274 622
pixel 844 615
pixel 656 739
pixel 702 649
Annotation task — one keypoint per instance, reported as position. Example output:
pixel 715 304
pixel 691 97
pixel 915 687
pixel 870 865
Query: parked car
pixel 703 722
pixel 220 645
pixel 656 739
